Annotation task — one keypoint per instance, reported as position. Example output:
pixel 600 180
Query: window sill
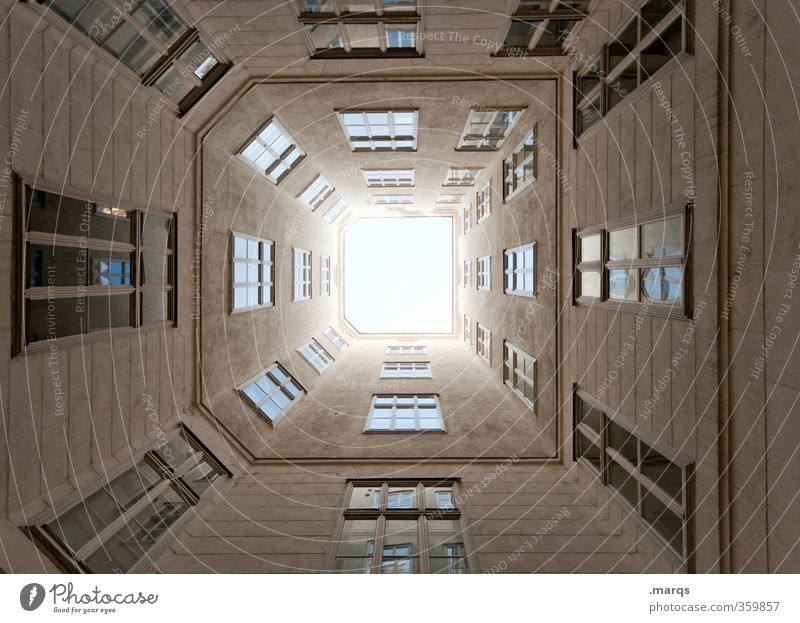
pixel 655 310
pixel 101 335
pixel 252 308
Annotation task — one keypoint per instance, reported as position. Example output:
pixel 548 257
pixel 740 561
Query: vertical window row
pixel 302 274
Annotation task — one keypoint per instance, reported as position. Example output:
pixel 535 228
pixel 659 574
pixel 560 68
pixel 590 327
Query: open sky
pixel 398 275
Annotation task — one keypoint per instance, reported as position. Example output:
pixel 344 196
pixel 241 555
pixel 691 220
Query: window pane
pixel 590 248
pixel 662 238
pixel 353 565
pixel 176 452
pixel 51 213
pixel 666 474
pixel 401 538
pixel 110 269
pixel 622 244
pixel 56 318
pixel 439 498
pixel 589 283
pixel 160 20
pixel 201 477
pixel 155 268
pixel 449 565
pixel 155 307
pixel 623 442
pixel 593 418
pixel 110 223
pixel 622 285
pixel 358 538
pixel 401 497
pixel 365 497
pixel 363 35
pixel 662 284
pixel 445 538
pixel 56 266
pixel 110 311
pixel 623 482
pixel 589 451
pixel 131 48
pixel 666 523
pixel 155 231
pixel 663 48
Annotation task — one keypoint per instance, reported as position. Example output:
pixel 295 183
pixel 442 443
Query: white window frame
pixel 393 199
pixel 389 178
pixel 337 340
pixel 484 273
pixel 415 407
pixel 316 193
pixel 266 272
pixel 515 270
pixel 406 370
pixel 462 176
pixel 538 22
pixel 467 282
pixel 487 141
pixel 449 199
pixel 286 387
pixel 302 274
pixel 514 364
pixel 316 355
pixel 282 158
pixel 391 137
pixel 335 211
pixel 520 161
pixel 467 219
pixel 483 343
pixel 325 275
pixel 483 202
pixel 405 350
pixel 467 329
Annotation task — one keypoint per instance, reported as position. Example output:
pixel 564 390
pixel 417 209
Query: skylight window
pixel 335 210
pixel 541 28
pixel 378 130
pixel 461 177
pixel 451 199
pixel 317 357
pixel 406 370
pixel 336 339
pixel 405 414
pixel 316 192
pixel 393 199
pixel 272 151
pixel 272 393
pixel 486 130
pixel 389 178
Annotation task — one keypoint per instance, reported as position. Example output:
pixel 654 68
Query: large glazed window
pixel 404 414
pixel 272 150
pixel 272 393
pixel 380 130
pixel 252 272
pixel 401 527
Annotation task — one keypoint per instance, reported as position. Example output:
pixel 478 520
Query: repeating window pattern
pixel 91 267
pixel 114 529
pixel 484 272
pixel 520 167
pixel 361 29
pixel 272 151
pixel 393 199
pixel 467 329
pixel 486 130
pixel 467 273
pixel 402 414
pixel 401 527
pixel 636 261
pixel 406 370
pixel 467 219
pixel 252 272
pixel 316 192
pixel 325 275
pixel 388 178
pixel 335 211
pixel 483 202
pixel 151 39
pixel 272 393
pixel 380 130
pixel 651 480
pixel 302 274
pixel 405 350
pixel 542 27
pixel 654 35
pixel 316 355
pixel 518 372
pixel 483 344
pixel 336 339
pixel 457 176
pixel 520 270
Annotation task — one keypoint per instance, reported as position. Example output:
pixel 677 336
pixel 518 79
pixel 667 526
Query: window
pixel 393 199
pixel 520 270
pixel 405 350
pixel 486 130
pixel 316 192
pixel 380 130
pixel 272 393
pixel 151 39
pixel 336 339
pixel 386 524
pixel 483 201
pixel 77 267
pixel 467 329
pixel 461 177
pixel 656 34
pixel 484 273
pixel 316 355
pixel 335 210
pixel 361 28
pixel 302 274
pixel 519 167
pixel 116 528
pixel 325 275
pixel 518 372
pixel 540 28
pixel 406 370
pixel 272 151
pixel 636 263
pixel 252 272
pixel 483 344
pixel 467 219
pixel 648 477
pixel 449 199
pixel 404 414
pixel 389 177
pixel 467 273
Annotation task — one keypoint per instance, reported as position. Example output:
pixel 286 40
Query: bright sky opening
pixel 398 275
